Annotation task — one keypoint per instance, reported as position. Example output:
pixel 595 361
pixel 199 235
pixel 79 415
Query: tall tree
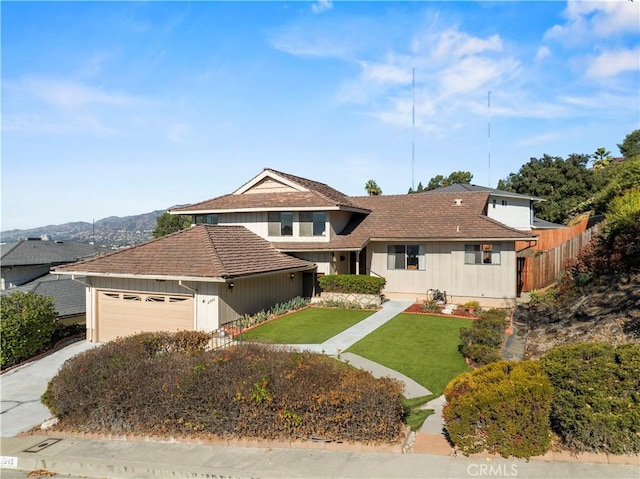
pixel 563 183
pixel 372 188
pixel 167 223
pixel 631 144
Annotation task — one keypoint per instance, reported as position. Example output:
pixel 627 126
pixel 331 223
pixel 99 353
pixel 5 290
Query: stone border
pixel 365 300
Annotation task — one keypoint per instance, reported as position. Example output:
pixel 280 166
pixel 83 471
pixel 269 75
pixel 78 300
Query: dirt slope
pixel 607 311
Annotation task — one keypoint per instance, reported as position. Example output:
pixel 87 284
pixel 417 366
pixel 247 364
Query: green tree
pixel 565 184
pixel 372 188
pixel 631 144
pixel 167 223
pixel 601 158
pixel 27 324
pixel 619 177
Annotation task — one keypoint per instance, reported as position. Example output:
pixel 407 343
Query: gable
pixel 269 185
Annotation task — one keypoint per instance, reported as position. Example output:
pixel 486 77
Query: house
pixel 195 279
pixel 460 239
pixel 25 266
pixel 268 240
pixel 68 296
pixel 25 260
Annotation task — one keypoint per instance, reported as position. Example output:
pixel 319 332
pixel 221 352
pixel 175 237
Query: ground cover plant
pixel 596 401
pixel 424 348
pixel 501 408
pixel 157 383
pixel 309 326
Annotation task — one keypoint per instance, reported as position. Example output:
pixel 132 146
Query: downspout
pixel 180 283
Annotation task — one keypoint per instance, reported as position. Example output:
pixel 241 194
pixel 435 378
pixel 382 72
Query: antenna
pixel 489 135
pixel 413 127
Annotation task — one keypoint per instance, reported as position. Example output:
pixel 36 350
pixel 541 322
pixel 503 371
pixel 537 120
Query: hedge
pixel 596 404
pixel 501 408
pixel 136 385
pixel 351 283
pixel 27 325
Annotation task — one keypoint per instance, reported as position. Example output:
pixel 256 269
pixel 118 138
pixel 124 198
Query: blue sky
pixel 121 108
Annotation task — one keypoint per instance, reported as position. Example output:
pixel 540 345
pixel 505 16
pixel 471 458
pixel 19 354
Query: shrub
pixel 501 408
pixel 471 305
pixel 430 306
pixel 596 404
pixel 247 390
pixel 250 320
pixel 351 283
pixel 481 342
pixel 27 325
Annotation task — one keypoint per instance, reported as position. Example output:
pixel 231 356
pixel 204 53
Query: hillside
pixel 607 310
pixel 110 232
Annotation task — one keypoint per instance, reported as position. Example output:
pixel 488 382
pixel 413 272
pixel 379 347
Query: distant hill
pixel 111 232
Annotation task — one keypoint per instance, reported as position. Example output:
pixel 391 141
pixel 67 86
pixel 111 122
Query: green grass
pixel 424 348
pixel 309 326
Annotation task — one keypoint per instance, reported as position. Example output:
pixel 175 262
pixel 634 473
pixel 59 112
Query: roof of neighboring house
pixel 465 187
pixel 421 217
pixel 36 251
pixel 539 223
pixel 310 194
pixel 200 252
pixel 68 295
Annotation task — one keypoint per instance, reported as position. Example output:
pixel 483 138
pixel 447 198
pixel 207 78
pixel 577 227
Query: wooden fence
pixel 542 268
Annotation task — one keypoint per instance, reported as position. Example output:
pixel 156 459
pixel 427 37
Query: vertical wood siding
pixel 251 295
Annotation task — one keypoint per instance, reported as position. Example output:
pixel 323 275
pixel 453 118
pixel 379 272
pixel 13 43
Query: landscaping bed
pixel 458 313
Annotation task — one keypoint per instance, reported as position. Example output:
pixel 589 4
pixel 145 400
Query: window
pixel 504 202
pixel 313 223
pixel 280 223
pixel 482 254
pixel 410 256
pixel 205 219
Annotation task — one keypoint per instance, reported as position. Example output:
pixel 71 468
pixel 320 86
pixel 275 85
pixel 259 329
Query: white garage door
pixel 125 313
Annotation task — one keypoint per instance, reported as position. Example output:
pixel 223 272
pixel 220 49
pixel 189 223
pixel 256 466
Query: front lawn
pixel 309 326
pixel 424 348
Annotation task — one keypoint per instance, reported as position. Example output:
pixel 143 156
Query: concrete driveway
pixel 21 388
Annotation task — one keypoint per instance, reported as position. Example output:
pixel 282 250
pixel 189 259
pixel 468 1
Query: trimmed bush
pixel 501 408
pixel 248 391
pixel 351 283
pixel 481 342
pixel 596 404
pixel 27 325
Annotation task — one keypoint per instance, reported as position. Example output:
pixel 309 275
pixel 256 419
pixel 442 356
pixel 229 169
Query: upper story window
pixel 482 254
pixel 280 223
pixel 410 256
pixel 205 219
pixel 313 223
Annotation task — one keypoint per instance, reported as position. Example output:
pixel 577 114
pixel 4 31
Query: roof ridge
pixel 302 180
pixel 208 229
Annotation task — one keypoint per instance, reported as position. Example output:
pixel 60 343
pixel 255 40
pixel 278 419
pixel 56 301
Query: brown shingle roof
pixel 202 251
pixel 420 217
pixel 319 195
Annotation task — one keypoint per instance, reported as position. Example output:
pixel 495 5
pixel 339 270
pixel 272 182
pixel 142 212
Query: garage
pixel 123 313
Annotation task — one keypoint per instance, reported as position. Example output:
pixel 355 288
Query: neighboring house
pixel 31 258
pixel 268 240
pixel 68 296
pixel 25 267
pixel 195 279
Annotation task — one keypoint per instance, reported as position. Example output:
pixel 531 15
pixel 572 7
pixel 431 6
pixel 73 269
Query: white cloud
pixel 454 44
pixel 321 6
pixel 542 53
pixel 385 73
pixel 587 20
pixel 611 63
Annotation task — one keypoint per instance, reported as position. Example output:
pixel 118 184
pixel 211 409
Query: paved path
pixel 22 387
